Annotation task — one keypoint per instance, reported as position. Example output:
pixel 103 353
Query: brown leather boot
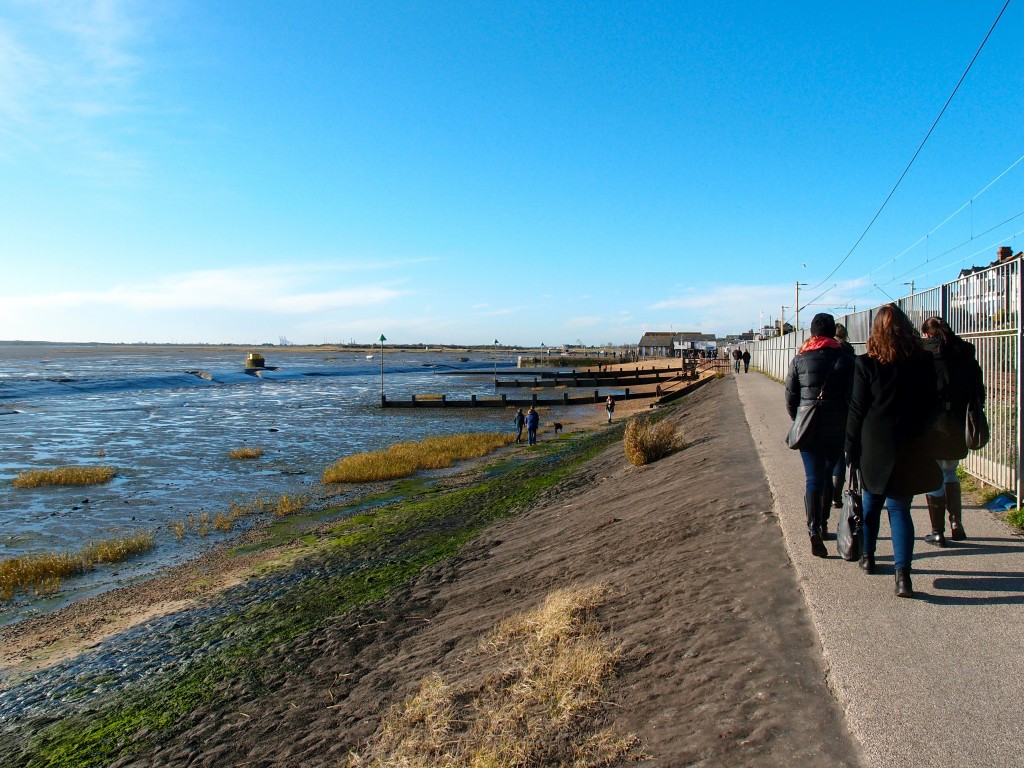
pixel 937 515
pixel 955 507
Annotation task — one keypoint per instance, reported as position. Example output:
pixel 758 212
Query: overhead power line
pixel 920 147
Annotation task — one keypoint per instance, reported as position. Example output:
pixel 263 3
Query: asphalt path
pixel 935 681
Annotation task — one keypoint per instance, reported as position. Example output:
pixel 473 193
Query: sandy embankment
pixel 719 664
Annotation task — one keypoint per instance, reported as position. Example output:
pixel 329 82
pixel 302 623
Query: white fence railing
pixel 985 309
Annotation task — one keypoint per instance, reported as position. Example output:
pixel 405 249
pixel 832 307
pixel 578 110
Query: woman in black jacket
pixel 958 379
pixel 887 434
pixel 820 369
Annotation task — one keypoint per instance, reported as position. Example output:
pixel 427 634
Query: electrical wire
pixel 920 147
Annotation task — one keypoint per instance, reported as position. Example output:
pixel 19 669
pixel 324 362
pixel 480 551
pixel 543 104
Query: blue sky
pixel 462 172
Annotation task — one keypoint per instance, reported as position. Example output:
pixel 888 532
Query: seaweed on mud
pixel 360 560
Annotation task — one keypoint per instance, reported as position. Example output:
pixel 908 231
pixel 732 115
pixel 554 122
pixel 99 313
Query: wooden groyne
pixel 658 395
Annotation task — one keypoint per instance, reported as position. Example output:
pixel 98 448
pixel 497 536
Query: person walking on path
pixel 958 379
pixel 532 422
pixel 746 360
pixel 520 420
pixel 609 406
pixel 820 371
pixel 887 435
pixel 839 471
pixel 737 358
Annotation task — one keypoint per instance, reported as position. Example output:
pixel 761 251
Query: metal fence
pixel 983 308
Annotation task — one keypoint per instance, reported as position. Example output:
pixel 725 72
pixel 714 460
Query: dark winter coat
pixel 888 433
pixel 807 373
pixel 958 378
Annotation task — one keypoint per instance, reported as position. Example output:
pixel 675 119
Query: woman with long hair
pixel 887 435
pixel 820 369
pixel 958 378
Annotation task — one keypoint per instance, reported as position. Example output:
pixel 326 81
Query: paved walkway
pixel 935 681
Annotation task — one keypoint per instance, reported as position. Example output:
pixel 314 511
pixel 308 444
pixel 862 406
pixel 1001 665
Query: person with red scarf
pixel 822 368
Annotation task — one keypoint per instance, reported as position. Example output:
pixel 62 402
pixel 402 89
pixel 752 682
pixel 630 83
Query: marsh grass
pixel 42 573
pixel 224 522
pixel 545 673
pixel 246 453
pixel 289 505
pixel 34 478
pixel 646 441
pixel 405 459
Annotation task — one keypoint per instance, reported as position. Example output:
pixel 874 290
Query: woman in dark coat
pixel 958 378
pixel 820 367
pixel 887 434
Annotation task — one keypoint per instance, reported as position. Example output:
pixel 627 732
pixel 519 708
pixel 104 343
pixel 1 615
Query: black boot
pixel 937 515
pixel 812 509
pixel 903 586
pixel 837 491
pixel 867 563
pixel 955 507
pixel 826 510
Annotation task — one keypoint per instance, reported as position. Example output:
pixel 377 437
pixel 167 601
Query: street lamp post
pixel 495 363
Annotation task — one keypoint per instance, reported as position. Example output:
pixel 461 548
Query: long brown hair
pixel 893 337
pixel 948 341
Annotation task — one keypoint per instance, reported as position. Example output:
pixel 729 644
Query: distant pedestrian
pixel 737 358
pixel 519 420
pixel 888 434
pixel 532 422
pixel 609 405
pixel 746 360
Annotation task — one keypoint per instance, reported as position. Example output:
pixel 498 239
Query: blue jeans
pixel 900 523
pixel 531 433
pixel 818 466
pixel 948 467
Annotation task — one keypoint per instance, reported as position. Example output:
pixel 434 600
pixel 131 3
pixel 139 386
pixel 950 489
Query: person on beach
pixel 532 422
pixel 746 360
pixel 820 370
pixel 519 420
pixel 958 378
pixel 888 433
pixel 609 406
pixel 839 471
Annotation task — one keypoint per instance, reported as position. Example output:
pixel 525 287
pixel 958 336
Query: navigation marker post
pixel 382 340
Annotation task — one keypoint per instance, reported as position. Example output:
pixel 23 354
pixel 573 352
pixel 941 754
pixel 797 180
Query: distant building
pixel 672 344
pixel 986 293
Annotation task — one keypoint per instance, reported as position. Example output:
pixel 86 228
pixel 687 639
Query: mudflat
pixel 718 663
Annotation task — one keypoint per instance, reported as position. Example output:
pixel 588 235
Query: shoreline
pixel 718 661
pixel 34 643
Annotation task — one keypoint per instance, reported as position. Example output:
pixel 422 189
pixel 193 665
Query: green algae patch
pixel 363 559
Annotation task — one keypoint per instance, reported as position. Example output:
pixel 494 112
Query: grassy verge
pixel 358 561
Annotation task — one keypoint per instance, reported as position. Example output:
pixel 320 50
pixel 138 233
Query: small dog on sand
pixel 557 426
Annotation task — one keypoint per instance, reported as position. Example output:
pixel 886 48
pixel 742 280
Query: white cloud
pixel 275 290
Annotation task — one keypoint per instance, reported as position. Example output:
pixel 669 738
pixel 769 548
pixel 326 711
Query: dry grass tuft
pixel 42 573
pixel 546 672
pixel 246 453
pixel 404 459
pixel 289 505
pixel 646 441
pixel 34 478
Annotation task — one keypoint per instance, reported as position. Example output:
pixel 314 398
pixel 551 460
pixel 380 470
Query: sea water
pixel 167 418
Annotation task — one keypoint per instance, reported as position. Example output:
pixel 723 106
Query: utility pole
pixel 796 322
pixel 911 284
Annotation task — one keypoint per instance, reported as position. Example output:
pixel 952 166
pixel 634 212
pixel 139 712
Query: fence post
pixel 1018 486
pixel 472 400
